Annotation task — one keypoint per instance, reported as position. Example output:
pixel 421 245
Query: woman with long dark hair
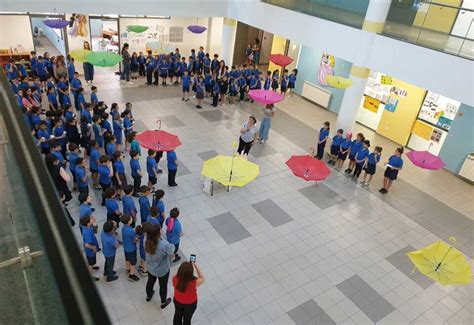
pixel 88 68
pixel 159 255
pixel 126 61
pixel 59 176
pixel 185 292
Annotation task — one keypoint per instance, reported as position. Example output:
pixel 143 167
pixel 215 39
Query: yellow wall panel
pixel 278 47
pixel 437 17
pixel 397 125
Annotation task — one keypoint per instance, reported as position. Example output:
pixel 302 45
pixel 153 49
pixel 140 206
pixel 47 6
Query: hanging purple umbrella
pixel 56 23
pixel 196 29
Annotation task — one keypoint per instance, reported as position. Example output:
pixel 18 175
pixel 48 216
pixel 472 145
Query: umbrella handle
pixel 445 254
pixel 426 154
pixel 158 121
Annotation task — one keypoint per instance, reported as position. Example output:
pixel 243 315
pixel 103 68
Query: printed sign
pixel 391 104
pixel 386 80
pixel 371 104
pixel 439 110
pixel 422 130
pixel 436 135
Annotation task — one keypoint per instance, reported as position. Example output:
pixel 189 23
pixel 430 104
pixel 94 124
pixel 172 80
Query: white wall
pixel 228 41
pixel 16 30
pixel 215 36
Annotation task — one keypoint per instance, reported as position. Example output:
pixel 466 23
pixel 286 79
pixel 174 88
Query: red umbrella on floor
pixel 158 140
pixel 308 168
pixel 280 59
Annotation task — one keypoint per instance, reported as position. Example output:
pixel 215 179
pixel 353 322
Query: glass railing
pixel 438 25
pixel 347 12
pixel 43 277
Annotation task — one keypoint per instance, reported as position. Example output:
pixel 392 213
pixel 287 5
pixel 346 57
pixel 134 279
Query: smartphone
pixel 192 259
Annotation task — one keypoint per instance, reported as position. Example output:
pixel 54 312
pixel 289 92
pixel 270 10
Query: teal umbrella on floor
pixel 103 58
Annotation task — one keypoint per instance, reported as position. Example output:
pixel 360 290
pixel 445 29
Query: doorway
pixel 256 37
pixel 104 34
pixel 47 39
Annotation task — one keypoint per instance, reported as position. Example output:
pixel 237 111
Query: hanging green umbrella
pixel 137 28
pixel 103 58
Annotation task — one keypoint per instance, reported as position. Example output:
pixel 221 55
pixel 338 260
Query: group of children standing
pixel 360 157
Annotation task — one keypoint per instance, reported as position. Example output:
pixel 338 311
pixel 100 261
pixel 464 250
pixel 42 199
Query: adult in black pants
pixel 185 293
pixel 323 136
pixel 159 257
pixel 248 135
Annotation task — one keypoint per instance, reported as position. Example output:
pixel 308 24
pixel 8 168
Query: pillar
pixel 228 40
pixel 374 22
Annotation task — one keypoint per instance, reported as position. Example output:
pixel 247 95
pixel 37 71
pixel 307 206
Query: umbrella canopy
pixel 280 59
pixel 425 160
pixel 308 168
pixel 442 263
pixel 265 96
pixel 196 29
pixel 158 140
pixel 79 55
pixel 338 82
pixel 103 58
pixel 230 171
pixel 136 28
pixel 56 23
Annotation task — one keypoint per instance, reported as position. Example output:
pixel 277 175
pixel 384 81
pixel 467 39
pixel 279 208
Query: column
pixel 228 40
pixel 374 22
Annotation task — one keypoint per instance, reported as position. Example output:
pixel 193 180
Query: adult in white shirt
pixel 248 135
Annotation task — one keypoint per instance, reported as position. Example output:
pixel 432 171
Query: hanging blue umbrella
pixel 56 23
pixel 196 29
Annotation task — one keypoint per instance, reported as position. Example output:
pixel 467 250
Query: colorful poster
pixel 326 75
pixel 386 80
pixel 436 135
pixel 371 104
pixel 391 104
pixel 439 110
pixel 422 130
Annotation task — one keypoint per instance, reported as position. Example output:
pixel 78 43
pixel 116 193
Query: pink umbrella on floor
pixel 308 168
pixel 265 96
pixel 425 160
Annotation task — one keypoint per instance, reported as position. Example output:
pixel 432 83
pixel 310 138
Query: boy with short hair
pixel 152 169
pixel 144 203
pixel 85 209
pixel 155 217
pixel 136 172
pixel 371 165
pixel 335 146
pixel 81 176
pixel 172 167
pixel 186 84
pixel 94 99
pixel 109 249
pixel 91 245
pixel 73 157
pixel 129 207
pixel 129 239
pixel 94 157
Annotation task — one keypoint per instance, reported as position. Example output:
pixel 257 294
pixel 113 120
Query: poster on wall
pixel 422 130
pixel 391 104
pixel 78 25
pixel 371 104
pixel 155 37
pixel 439 110
pixel 375 88
pixel 326 75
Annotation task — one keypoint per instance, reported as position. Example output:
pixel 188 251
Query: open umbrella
pixel 79 55
pixel 136 28
pixel 308 168
pixel 158 140
pixel 265 96
pixel 196 29
pixel 442 263
pixel 103 58
pixel 230 170
pixel 425 159
pixel 56 23
pixel 280 59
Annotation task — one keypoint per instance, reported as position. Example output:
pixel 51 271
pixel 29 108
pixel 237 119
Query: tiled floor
pixel 283 251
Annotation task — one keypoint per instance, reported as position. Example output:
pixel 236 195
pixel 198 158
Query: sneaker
pixel 112 279
pixel 130 83
pixel 160 171
pixel 95 278
pixel 95 268
pixel 182 99
pixel 366 184
pixel 149 298
pixel 382 190
pixel 176 259
pixel 93 209
pixel 133 278
pixel 166 303
pixel 173 185
pixel 144 273
pixel 347 170
pixel 198 106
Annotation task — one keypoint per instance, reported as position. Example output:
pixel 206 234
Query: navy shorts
pixel 91 260
pixel 200 95
pixel 43 77
pixel 93 170
pixel 131 257
pixel 152 179
pixel 283 88
pixel 342 156
pixel 185 89
pixel 334 149
pixel 208 89
pixel 391 174
pixel 352 157
pixel 370 169
pixel 170 74
pixel 291 85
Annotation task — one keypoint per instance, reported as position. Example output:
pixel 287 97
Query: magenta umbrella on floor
pixel 265 96
pixel 425 160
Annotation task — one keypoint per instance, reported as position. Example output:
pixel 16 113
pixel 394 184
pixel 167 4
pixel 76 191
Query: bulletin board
pixel 438 110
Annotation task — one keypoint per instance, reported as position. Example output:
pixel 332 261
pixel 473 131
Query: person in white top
pixel 248 135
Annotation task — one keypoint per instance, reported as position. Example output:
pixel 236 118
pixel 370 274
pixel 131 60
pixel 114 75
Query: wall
pixel 397 125
pixel 50 33
pixel 229 33
pixel 459 142
pixel 214 40
pixel 160 27
pixel 16 30
pixel 294 53
pixel 278 47
pixel 308 68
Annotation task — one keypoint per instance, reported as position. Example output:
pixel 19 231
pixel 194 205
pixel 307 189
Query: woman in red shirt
pixel 185 294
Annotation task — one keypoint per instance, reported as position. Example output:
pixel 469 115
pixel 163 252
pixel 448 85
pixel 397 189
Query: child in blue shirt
pixel 394 165
pixel 172 167
pixel 154 217
pixel 158 203
pixel 81 175
pixel 371 165
pixel 149 67
pixel 361 158
pixel 284 82
pixel 141 247
pixel 136 172
pixel 75 84
pixel 105 175
pixel 119 179
pixel 322 139
pixel 90 243
pixel 164 67
pixel 94 156
pixel 344 149
pixel 174 231
pixel 186 85
pixel 110 146
pixel 335 146
pixel 152 168
pixel 292 81
pixel 144 203
pixel 117 128
pixel 268 81
pixel 44 137
pixel 199 90
pixel 94 99
pixel 141 64
pixel 53 99
pixel 129 240
pixel 109 248
pixel 129 207
pixel 73 157
pixel 275 80
pixel 112 205
pixel 355 147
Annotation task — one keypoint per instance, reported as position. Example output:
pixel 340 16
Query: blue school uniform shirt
pixel 106 125
pixel 361 155
pixel 292 78
pixel 346 144
pixel 41 69
pixel 81 101
pixel 52 98
pixel 164 68
pixel 35 121
pixel 66 100
pixel 94 159
pixel 374 158
pixel 208 80
pixel 84 210
pixel 206 63
pixel 395 161
pixel 154 221
pixel 87 115
pixel 141 59
pixel 183 65
pixel 94 99
pixel 242 82
pixel 356 146
pixel 57 132
pixel 135 167
pixel 201 55
pixel 60 157
pixel 323 133
pixel 43 134
pixel 110 149
pixel 108 244
pixel 80 173
pixel 73 156
pixel 151 166
pixel 118 166
pixel 284 81
pixel 214 64
pixel 112 206
pixel 98 137
pixel 50 84
pixel 61 85
pixel 129 205
pixel 150 65
pixel 128 239
pixel 104 172
pixel 337 140
pixel 174 235
pixel 252 83
pixel 127 124
pixel 267 83
pixel 88 237
pixel 186 81
pixel 144 208
pixel 161 207
pixel 70 69
pixel 171 158
pixel 75 84
pixel 33 62
pixel 15 88
pixel 117 127
pixel 199 88
pixel 216 88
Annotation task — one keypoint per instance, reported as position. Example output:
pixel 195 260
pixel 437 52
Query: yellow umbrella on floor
pixel 442 262
pixel 230 170
pixel 79 55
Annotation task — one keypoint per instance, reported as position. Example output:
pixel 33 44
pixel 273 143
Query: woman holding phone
pixel 185 285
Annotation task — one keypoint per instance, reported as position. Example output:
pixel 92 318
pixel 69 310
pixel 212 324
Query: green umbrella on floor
pixel 103 58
